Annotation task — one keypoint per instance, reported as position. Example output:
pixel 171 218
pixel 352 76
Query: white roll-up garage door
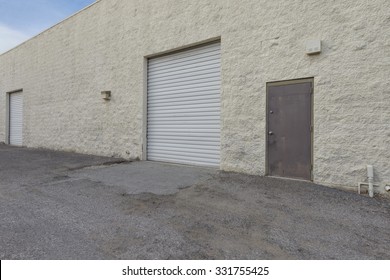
pixel 184 107
pixel 16 119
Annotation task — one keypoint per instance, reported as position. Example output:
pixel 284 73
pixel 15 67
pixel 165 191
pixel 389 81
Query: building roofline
pixel 51 27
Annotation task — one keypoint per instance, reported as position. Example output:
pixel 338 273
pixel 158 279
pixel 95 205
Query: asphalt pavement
pixel 57 205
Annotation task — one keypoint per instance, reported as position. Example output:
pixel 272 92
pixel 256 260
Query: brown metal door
pixel 289 129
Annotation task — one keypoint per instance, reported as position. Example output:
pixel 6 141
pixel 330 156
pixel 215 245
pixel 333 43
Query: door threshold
pixel 291 179
pixel 184 164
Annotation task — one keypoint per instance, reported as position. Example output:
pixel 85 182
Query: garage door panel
pixel 181 82
pixel 196 78
pixel 196 52
pixel 185 87
pixel 184 107
pixel 207 156
pixel 178 140
pixel 186 104
pixel 171 116
pixel 187 72
pixel 16 119
pixel 185 119
pixel 213 163
pixel 190 108
pixel 186 67
pixel 195 157
pixel 208 58
pixel 188 133
pixel 188 146
pixel 185 125
pixel 184 75
pixel 183 101
pixel 179 57
pixel 184 97
pixel 187 93
pixel 185 112
pixel 181 126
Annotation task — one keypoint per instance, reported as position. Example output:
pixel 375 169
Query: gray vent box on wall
pixel 313 47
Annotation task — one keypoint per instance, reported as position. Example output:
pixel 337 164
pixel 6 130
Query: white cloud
pixel 10 38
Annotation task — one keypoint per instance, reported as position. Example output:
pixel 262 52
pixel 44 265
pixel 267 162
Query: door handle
pixel 271 133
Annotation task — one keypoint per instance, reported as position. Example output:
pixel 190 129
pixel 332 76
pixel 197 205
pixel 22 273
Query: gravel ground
pixel 56 205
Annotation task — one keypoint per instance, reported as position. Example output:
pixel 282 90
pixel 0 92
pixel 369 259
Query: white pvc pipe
pixel 370 176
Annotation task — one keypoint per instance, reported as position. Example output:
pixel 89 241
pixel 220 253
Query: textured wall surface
pixel 63 70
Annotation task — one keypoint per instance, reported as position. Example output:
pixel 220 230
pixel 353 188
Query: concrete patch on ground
pixel 147 177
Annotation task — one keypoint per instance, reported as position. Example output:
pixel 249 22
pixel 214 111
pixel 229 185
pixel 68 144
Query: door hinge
pixel 311 167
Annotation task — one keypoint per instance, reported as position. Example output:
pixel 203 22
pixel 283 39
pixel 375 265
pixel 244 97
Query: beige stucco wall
pixel 63 71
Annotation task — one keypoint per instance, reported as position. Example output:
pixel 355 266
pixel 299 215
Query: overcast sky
pixel 22 19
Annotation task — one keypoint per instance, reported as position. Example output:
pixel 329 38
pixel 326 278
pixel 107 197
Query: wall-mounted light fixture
pixel 106 95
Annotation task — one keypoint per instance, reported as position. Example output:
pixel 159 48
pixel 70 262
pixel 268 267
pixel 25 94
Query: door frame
pixel 146 59
pixel 290 82
pixel 8 114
